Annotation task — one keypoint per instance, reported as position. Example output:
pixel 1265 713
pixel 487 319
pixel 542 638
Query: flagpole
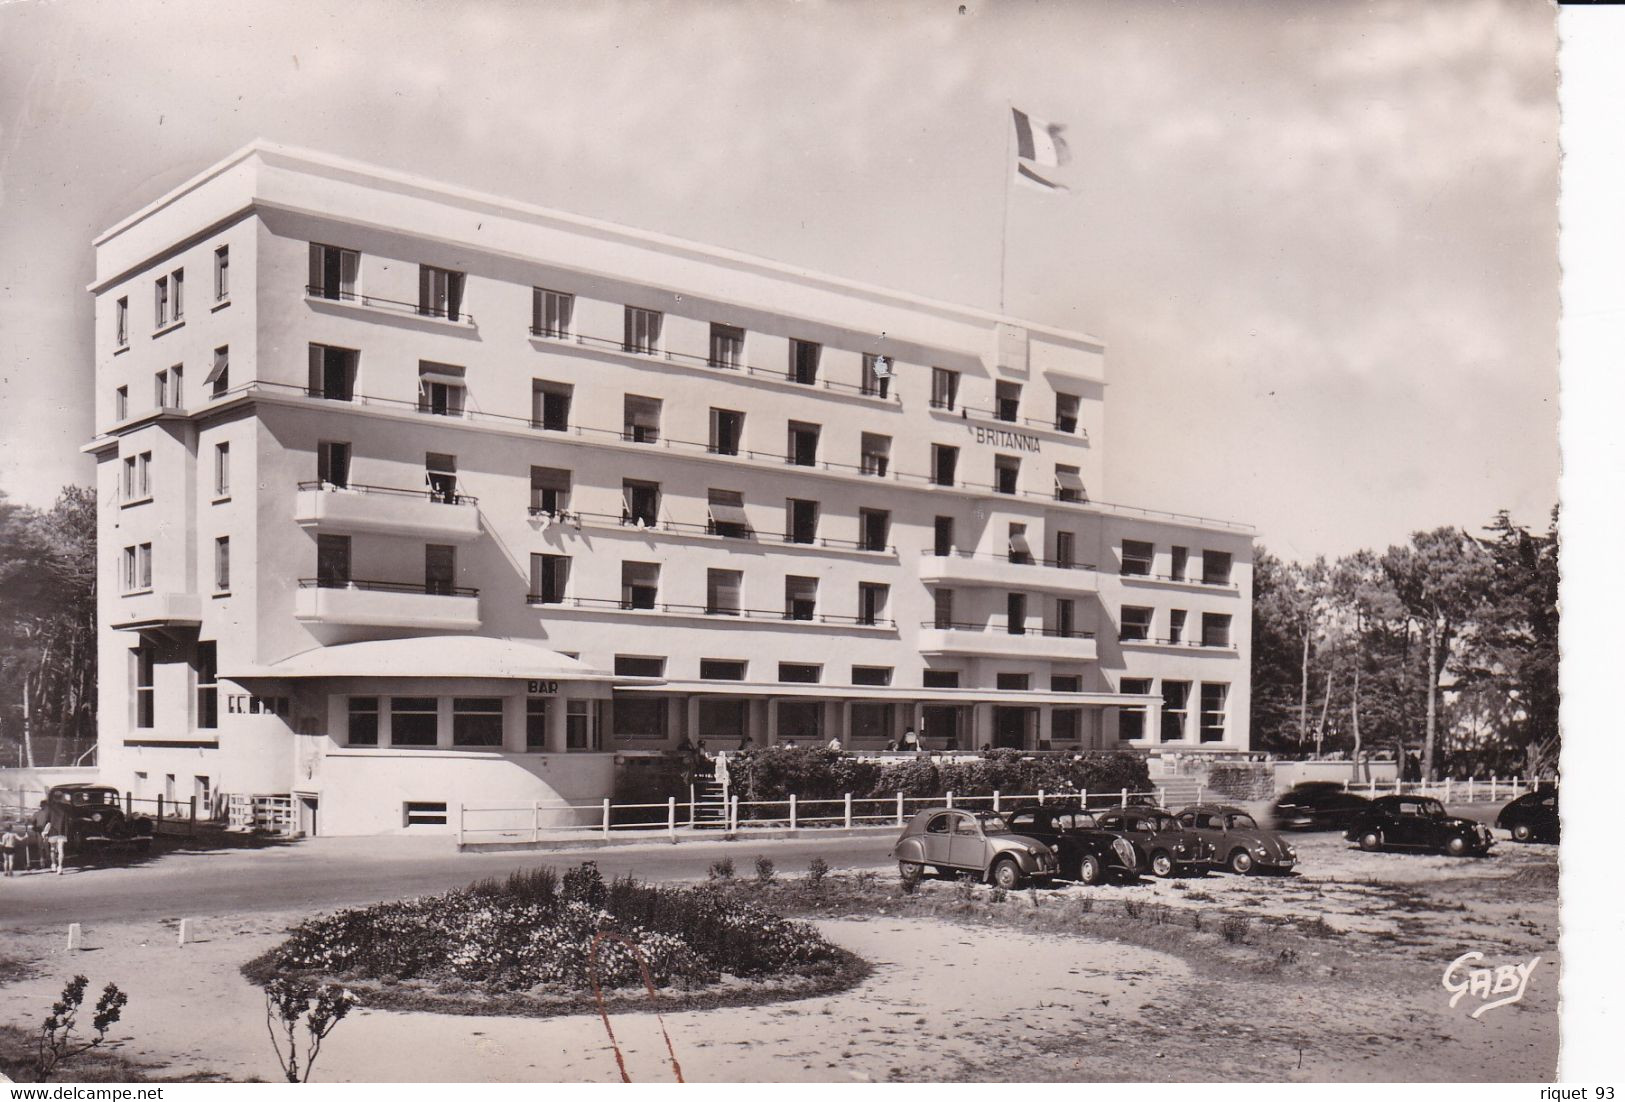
pixel 1004 230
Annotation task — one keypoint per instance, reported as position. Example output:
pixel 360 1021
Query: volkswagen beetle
pixel 954 841
pixel 1162 845
pixel 1086 853
pixel 1239 843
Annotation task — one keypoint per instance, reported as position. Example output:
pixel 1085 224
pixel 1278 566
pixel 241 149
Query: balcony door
pixel 439 568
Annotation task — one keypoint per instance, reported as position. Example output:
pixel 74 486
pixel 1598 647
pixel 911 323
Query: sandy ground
pixel 948 1001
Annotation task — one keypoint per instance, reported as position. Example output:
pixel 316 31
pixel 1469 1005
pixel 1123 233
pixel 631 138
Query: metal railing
pixel 961 625
pixel 1198 644
pixel 362 488
pixel 1146 575
pixel 1013 560
pixel 679 608
pixel 394 305
pixel 428 588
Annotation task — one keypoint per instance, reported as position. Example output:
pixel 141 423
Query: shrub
pixel 1234 929
pixel 57 1044
pixel 764 870
pixel 997 895
pixel 1133 908
pixel 583 884
pixel 538 885
pixel 910 881
pixel 722 869
pixel 817 869
pixel 964 887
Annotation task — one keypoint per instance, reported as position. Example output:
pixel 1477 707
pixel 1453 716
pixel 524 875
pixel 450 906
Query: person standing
pixel 52 820
pixel 10 842
pixel 911 741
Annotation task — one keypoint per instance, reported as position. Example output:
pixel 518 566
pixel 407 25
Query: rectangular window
pixel 800 597
pixel 871 675
pixel 1066 625
pixel 127 570
pixel 1066 683
pixel 1066 412
pixel 642 331
pixel 160 302
pixel 801 521
pixel 727 517
pixel 439 568
pixel 222 273
pixel 804 362
pixel 800 673
pixel 1007 401
pixel 873 723
pixel 332 561
pixel 640 717
pixel 1135 624
pixel 1176 697
pixel 721 669
pixel 160 390
pixel 1014 682
pixel 1066 724
pixel 1069 484
pixel 333 272
pixel 877 372
pixel 176 399
pixel 143 475
pixel 944 464
pixel 1214 697
pixel 121 322
pixel 363 721
pixel 333 463
pixel 207 665
pixel 640 584
pixel 580 726
pixel 222 564
pixel 219 378
pixel 441 389
pixel 1216 567
pixel 143 566
pixel 636 665
pixel 872 597
pixel 1178 563
pixel 549 578
pixel 440 293
pixel 414 721
pixel 874 529
pixel 1019 551
pixel 440 475
pixel 421 813
pixel 640 419
pixel 1176 625
pixel 727 430
pixel 942 604
pixel 1015 613
pixel 549 491
pixel 127 479
pixel 727 346
pixel 640 503
pixel 802 447
pixel 940 679
pixel 1006 473
pixel 333 373
pixel 476 721
pixel 177 295
pixel 1064 553
pixel 536 723
pixel 143 660
pixel 1215 629
pixel 942 536
pixel 1131 720
pixel 121 403
pixel 550 405
pixel 722 592
pixel 1137 558
pixel 875 454
pixel 551 312
pixel 944 388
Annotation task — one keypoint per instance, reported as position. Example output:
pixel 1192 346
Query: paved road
pixel 322 873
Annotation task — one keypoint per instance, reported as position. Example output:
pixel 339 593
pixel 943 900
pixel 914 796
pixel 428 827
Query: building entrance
pixel 1010 727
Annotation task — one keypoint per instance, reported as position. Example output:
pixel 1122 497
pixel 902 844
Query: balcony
pixel 447 518
pixel 968 568
pixel 981 640
pixel 387 605
pixel 157 610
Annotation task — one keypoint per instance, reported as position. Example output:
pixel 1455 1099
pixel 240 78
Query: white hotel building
pixel 413 496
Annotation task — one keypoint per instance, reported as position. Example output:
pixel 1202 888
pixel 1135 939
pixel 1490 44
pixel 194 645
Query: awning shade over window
pixel 1068 480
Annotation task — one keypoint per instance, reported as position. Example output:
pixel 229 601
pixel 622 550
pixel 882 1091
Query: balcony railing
pixel 1150 577
pixel 961 625
pixel 393 305
pixel 1013 560
pixel 391 491
pixel 677 608
pixel 428 588
pixel 1195 644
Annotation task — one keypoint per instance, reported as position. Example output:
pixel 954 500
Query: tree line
pixel 1445 647
pixel 48 630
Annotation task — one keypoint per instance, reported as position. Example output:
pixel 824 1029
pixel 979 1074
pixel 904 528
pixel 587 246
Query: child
pixel 9 841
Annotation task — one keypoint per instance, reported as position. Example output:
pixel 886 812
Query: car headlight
pixel 1124 851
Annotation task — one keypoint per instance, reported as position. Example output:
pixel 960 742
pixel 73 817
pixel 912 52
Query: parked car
pixel 1086 853
pixel 1418 822
pixel 1160 843
pixel 1239 843
pixel 1318 805
pixel 953 841
pixel 1532 817
pixel 95 812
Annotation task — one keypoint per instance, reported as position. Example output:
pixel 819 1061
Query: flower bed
pixel 531 944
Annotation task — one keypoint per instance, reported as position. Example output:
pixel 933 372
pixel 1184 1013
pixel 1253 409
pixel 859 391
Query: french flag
pixel 1041 143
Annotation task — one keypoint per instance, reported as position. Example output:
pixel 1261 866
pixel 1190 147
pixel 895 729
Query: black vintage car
pixel 1532 817
pixel 1318 805
pixel 92 812
pixel 1161 844
pixel 1087 853
pixel 1418 822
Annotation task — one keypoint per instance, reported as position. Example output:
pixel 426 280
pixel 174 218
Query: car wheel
pixel 1089 871
pixel 1006 874
pixel 1371 840
pixel 1522 833
pixel 1162 865
pixel 910 870
pixel 1241 862
pixel 1456 847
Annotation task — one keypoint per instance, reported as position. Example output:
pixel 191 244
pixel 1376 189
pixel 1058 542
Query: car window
pixel 1137 823
pixel 940 825
pixel 992 824
pixel 1112 822
pixel 1433 809
pixel 1024 821
pixel 1241 821
pixel 1549 801
pixel 964 824
pixel 1074 820
pixel 1211 821
pixel 1188 819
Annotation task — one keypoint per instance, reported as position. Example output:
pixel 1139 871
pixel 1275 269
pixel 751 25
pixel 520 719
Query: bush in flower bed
pixel 535 932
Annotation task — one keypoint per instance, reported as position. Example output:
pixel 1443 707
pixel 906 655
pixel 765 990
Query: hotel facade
pixel 413 497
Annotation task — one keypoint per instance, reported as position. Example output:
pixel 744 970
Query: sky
pixel 1318 239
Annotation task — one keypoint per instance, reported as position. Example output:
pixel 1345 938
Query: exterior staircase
pixel 710 804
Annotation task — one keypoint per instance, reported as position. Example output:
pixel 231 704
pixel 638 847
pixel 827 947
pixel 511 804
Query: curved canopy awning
pixel 430 656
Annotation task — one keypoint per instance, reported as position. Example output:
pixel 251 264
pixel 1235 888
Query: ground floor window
pixel 1214 696
pixel 421 813
pixel 642 717
pixel 1131 721
pixel 476 721
pixel 801 721
pixel 142 660
pixel 363 730
pixel 1176 699
pixel 536 723
pixel 1066 724
pixel 944 726
pixel 581 725
pixel 414 721
pixel 724 722
pixel 873 723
